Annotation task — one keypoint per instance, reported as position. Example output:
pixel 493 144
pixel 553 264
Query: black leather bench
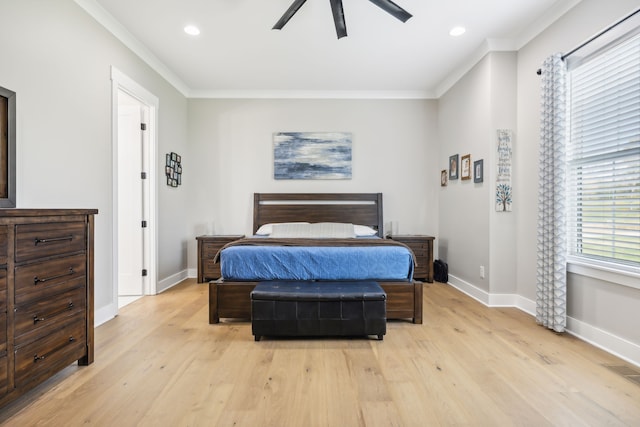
pixel 322 308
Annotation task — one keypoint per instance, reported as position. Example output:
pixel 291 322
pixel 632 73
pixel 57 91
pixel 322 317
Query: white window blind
pixel 603 155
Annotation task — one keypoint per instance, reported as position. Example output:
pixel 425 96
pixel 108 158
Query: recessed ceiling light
pixel 457 31
pixel 192 30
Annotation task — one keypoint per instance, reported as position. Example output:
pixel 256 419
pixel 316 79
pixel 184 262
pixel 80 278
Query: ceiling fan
pixel 338 14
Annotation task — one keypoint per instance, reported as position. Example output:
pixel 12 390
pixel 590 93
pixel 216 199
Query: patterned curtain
pixel 551 296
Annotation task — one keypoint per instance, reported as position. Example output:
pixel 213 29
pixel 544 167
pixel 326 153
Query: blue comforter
pixel 260 263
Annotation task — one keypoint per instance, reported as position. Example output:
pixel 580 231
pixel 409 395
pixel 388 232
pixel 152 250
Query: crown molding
pixel 107 20
pixel 506 45
pixel 542 23
pixel 489 45
pixel 312 94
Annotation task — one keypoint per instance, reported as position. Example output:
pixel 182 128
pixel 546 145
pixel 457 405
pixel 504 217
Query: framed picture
pixel 443 178
pixel 478 171
pixel 453 167
pixel 173 169
pixel 312 155
pixel 465 168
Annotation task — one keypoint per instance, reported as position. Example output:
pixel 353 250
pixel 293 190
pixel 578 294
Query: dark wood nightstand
pixel 208 247
pixel 422 247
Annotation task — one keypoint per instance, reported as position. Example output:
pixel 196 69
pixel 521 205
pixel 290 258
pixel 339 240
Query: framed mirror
pixel 7 148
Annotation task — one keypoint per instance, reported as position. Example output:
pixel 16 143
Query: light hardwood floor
pixel 159 363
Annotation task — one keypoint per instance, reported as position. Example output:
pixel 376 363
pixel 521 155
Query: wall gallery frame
pixel 478 171
pixel 443 178
pixel 465 167
pixel 173 169
pixel 453 166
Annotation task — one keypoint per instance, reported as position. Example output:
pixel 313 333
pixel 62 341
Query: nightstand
pixel 208 247
pixel 422 247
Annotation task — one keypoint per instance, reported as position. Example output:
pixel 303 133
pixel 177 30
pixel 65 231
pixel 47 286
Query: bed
pixel 229 296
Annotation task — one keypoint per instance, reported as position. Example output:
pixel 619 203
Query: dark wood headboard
pixel 354 208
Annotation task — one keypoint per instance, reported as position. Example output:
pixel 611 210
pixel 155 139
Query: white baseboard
pixel 171 281
pixel 606 341
pixel 108 312
pixel 104 314
pixel 192 273
pixel 610 343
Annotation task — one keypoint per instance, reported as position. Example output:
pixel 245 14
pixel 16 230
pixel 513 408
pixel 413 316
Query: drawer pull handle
pixel 53 239
pixel 37 280
pixel 37 358
pixel 37 318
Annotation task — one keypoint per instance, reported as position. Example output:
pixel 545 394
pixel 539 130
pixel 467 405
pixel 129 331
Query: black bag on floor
pixel 440 271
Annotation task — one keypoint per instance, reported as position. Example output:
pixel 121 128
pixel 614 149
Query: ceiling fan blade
pixel 297 4
pixel 338 18
pixel 393 9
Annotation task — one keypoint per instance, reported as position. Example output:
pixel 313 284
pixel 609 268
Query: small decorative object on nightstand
pixel 208 247
pixel 422 247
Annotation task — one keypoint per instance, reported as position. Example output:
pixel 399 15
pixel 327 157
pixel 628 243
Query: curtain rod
pixel 600 34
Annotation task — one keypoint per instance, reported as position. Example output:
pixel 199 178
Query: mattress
pixel 276 262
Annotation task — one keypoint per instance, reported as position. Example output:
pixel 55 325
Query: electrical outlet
pixel 482 271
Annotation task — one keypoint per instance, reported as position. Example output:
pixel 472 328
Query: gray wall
pixel 600 310
pixel 231 149
pixel 58 59
pixel 472 234
pixel 503 91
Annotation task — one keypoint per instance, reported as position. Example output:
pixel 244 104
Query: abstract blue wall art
pixel 312 155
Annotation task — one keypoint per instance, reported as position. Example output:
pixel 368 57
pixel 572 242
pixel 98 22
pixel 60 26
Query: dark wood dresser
pixel 422 247
pixel 46 295
pixel 208 247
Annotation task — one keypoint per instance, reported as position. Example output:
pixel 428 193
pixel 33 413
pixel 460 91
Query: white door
pixel 131 164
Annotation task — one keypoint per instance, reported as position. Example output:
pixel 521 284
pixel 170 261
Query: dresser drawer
pixel 35 241
pixel 4 370
pixel 3 244
pixel 418 251
pixel 421 270
pixel 45 279
pixel 3 333
pixel 209 249
pixel 51 353
pixel 38 318
pixel 210 269
pixel 3 312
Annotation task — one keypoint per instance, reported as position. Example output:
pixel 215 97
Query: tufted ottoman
pixel 292 308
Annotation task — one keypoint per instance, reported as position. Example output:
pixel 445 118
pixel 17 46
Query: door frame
pixel 120 81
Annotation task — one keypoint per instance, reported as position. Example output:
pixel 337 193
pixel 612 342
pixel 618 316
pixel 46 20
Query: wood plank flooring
pixel 159 363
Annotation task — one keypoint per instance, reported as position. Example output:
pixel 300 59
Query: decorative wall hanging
pixel 453 167
pixel 478 171
pixel 465 167
pixel 312 155
pixel 504 191
pixel 443 178
pixel 173 169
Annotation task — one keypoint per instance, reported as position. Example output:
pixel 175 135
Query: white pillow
pixel 267 229
pixel 320 230
pixel 363 230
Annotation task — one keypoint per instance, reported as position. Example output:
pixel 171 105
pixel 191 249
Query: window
pixel 603 155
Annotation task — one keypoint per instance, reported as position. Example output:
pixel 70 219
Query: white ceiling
pixel 237 53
